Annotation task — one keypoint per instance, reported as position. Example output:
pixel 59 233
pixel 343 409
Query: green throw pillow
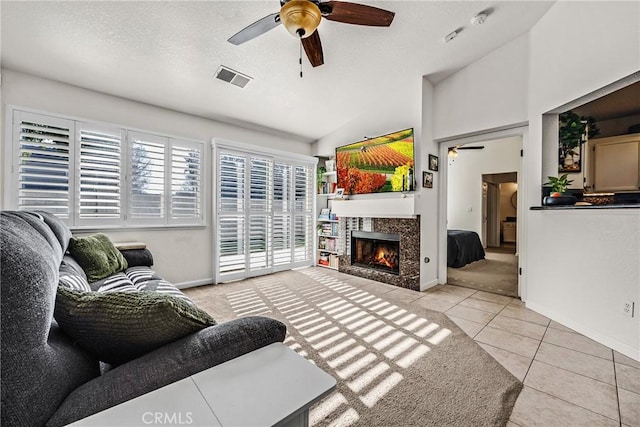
pixel 120 326
pixel 97 256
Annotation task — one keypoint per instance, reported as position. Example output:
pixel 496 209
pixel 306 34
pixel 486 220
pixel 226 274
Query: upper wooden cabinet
pixel 614 164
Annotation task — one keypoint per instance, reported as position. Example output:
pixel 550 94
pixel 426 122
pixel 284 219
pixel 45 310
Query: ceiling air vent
pixel 230 76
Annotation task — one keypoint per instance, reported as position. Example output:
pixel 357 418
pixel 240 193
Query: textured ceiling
pixel 166 54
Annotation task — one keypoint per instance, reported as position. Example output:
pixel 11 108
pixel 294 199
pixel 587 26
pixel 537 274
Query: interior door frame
pixel 518 130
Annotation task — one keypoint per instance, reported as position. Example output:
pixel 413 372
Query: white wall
pixel 183 256
pixel 605 47
pixel 489 93
pixel 464 180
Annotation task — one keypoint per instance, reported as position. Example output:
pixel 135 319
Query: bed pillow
pixel 97 256
pixel 116 327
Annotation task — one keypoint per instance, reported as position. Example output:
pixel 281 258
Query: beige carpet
pixel 497 273
pixel 395 365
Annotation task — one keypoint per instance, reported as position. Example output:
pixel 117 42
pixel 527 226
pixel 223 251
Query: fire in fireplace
pixel 377 251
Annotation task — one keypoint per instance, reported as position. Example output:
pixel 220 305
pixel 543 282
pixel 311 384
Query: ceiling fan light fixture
pixel 453 152
pixel 300 17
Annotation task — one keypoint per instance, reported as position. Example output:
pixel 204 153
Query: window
pixel 92 174
pixel 264 213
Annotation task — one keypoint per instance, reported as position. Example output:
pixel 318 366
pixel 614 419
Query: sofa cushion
pixel 97 256
pixel 118 282
pixel 74 281
pixel 139 275
pixel 71 266
pixel 119 326
pixel 163 287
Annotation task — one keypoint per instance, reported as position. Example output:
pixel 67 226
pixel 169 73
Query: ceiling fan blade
pixel 313 48
pixel 477 147
pixel 354 13
pixel 256 29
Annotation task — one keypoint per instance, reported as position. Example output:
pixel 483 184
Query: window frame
pixel 15 115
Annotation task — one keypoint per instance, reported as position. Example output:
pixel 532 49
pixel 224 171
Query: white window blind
pixel 231 213
pixel 186 181
pixel 147 177
pixel 43 163
pixel 303 211
pixel 92 174
pixel 100 173
pixel 260 195
pixel 282 214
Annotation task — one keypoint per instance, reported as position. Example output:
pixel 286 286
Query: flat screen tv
pixel 377 165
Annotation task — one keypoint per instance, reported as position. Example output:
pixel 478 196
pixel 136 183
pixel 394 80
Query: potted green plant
pixel 558 184
pixel 574 130
pixel 320 178
pixel 559 194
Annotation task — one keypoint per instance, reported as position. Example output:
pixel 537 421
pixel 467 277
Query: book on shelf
pixel 329 229
pixel 333 261
pixel 328 244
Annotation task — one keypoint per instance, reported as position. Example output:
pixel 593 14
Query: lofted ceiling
pixel 166 53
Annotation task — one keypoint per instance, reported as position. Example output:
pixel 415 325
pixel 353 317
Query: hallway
pixel 497 273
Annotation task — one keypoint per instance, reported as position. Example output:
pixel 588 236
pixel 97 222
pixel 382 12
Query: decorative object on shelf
pixel 339 194
pixel 330 165
pixel 433 163
pixel 427 179
pixel 558 191
pixel 325 213
pixel 573 132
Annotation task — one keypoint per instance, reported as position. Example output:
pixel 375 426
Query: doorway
pixel 481 196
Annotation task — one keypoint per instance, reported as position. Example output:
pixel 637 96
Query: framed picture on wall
pixel 433 163
pixel 427 179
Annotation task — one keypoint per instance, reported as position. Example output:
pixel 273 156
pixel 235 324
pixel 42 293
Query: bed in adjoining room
pixel 463 247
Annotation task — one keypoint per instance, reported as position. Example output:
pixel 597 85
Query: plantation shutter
pixel 303 213
pixel 264 213
pixel 147 163
pixel 186 182
pixel 232 170
pixel 43 163
pixel 260 194
pixel 282 214
pixel 100 174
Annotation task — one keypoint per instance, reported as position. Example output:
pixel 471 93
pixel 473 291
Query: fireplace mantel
pixel 402 206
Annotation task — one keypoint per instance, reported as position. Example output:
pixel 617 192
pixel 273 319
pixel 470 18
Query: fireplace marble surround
pixel 409 231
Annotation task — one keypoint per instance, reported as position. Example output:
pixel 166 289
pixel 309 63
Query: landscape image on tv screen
pixel 377 165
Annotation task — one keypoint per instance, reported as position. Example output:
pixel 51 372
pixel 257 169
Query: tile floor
pixel 569 379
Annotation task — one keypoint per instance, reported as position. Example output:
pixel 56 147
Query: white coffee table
pixel 271 386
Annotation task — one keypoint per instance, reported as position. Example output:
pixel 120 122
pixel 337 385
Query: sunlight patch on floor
pixel 364 340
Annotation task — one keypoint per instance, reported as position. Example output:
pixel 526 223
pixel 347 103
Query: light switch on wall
pixel 469 209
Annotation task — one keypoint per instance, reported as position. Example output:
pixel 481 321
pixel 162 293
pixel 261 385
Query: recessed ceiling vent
pixel 230 76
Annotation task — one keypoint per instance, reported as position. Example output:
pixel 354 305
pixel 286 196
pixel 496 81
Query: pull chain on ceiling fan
pixel 302 17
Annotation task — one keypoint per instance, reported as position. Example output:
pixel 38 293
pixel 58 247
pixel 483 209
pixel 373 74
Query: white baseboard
pixel 194 283
pixel 601 338
pixel 427 285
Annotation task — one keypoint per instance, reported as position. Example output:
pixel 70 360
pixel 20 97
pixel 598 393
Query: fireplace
pixel 376 251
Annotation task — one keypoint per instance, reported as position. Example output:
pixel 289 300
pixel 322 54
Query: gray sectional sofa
pixel 49 378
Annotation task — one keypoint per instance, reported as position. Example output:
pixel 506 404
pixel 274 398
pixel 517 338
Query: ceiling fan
pixel 302 17
pixel 453 151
